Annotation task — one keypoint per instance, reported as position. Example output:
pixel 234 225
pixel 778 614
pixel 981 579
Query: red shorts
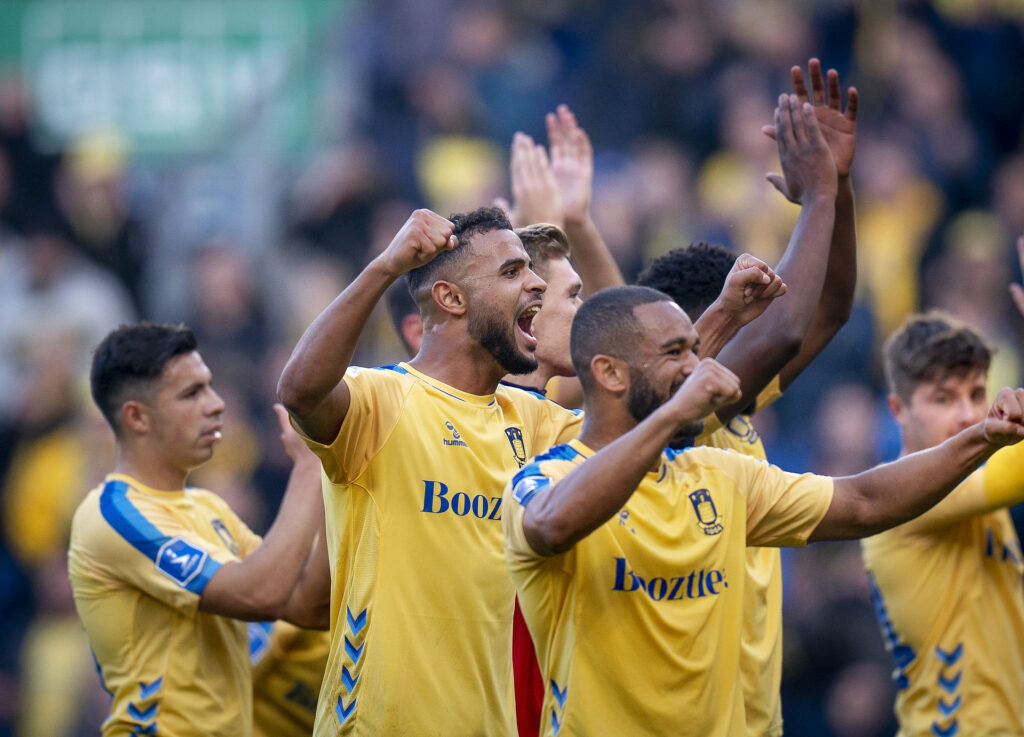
pixel 528 680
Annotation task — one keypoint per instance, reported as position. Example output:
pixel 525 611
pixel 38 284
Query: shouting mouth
pixel 525 324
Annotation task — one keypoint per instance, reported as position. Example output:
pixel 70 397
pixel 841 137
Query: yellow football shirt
pixel 948 595
pixel 761 641
pixel 288 665
pixel 637 626
pixel 421 601
pixel 139 559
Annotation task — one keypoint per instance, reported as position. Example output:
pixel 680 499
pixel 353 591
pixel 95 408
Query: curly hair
pixel 692 276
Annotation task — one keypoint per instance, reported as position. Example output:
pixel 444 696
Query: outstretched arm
pixel 572 162
pixel 892 493
pixel 259 586
pixel 761 349
pixel 311 386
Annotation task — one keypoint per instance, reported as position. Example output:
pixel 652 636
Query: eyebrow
pixel 192 387
pixel 680 341
pixel 519 261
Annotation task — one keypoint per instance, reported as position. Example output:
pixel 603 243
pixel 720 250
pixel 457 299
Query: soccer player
pixel 161 573
pixel 947 585
pixel 416 456
pixel 820 268
pixel 628 558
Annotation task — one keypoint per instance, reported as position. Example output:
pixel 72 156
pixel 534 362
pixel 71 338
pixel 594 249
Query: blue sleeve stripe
pixel 141 534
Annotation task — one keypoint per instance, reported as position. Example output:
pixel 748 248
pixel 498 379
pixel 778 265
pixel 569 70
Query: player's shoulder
pixel 531 400
pixel 392 373
pixel 87 514
pixel 705 456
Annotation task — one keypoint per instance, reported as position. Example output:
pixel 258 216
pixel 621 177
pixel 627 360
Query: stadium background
pixel 233 164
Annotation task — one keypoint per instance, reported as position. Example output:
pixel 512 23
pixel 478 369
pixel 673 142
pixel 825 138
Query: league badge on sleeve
pixel 707 515
pixel 180 561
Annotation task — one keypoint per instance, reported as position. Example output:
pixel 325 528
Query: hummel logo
pixel 455 439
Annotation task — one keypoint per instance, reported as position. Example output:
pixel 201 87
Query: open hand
pixel 807 166
pixel 838 127
pixel 294 445
pixel 535 194
pixel 572 161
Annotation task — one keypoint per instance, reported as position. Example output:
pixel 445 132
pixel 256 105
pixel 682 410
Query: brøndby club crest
pixel 515 439
pixel 707 515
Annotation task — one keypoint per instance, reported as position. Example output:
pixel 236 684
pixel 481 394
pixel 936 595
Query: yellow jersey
pixel 288 665
pixel 948 594
pixel 636 626
pixel 761 640
pixel 421 600
pixel 138 560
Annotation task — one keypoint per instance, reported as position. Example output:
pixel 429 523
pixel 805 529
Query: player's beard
pixel 493 331
pixel 643 399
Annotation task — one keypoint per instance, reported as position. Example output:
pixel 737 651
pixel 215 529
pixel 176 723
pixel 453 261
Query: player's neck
pixel 536 380
pixel 151 472
pixel 462 364
pixel 603 424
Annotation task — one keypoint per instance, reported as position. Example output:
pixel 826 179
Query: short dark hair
pixel 930 347
pixel 480 220
pixel 693 276
pixel 130 360
pixel 606 325
pixel 543 242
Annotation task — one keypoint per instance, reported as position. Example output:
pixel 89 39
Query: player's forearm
pixel 309 604
pixel 325 350
pixel 258 587
pixel 762 348
pixel 594 262
pixel 596 490
pixel 837 293
pixel 716 327
pixel 892 493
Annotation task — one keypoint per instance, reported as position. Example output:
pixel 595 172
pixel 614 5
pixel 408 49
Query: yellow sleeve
pixel 375 405
pixel 548 423
pixel 768 395
pixel 146 546
pixel 997 484
pixel 783 509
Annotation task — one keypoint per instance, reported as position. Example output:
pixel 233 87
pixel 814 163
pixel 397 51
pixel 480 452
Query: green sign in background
pixel 172 76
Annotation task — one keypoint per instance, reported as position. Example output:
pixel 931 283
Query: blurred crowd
pixel 247 245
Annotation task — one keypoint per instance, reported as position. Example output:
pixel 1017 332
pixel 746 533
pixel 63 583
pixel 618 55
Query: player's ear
pixel 896 407
pixel 610 372
pixel 449 297
pixel 134 417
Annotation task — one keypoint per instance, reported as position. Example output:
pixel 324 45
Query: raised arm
pixel 749 289
pixel 593 492
pixel 760 350
pixel 839 129
pixel 893 493
pixel 259 586
pixel 311 386
pixel 572 161
pixel 309 604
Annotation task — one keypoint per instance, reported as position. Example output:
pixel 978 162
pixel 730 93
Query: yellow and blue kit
pixel 637 626
pixel 138 560
pixel 948 594
pixel 421 601
pixel 761 641
pixel 288 665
